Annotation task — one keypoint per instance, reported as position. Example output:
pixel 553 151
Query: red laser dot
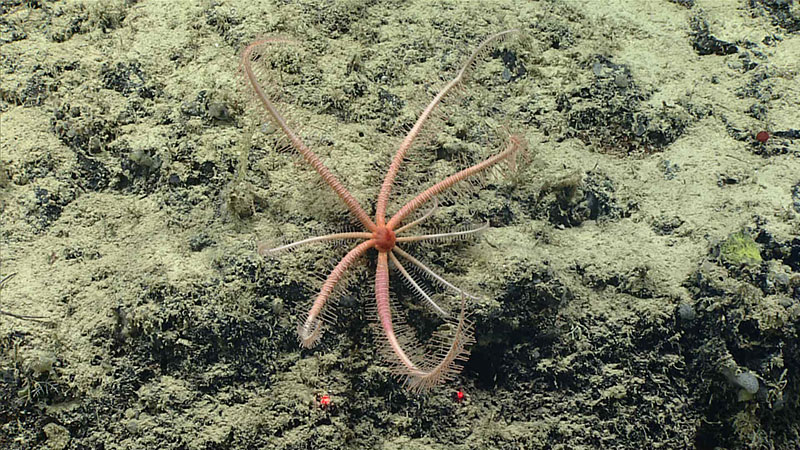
pixel 325 401
pixel 460 395
pixel 762 136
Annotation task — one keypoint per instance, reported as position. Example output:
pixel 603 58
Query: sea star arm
pixel 279 121
pixel 433 370
pixel 416 222
pixel 449 235
pixel 385 311
pixel 430 272
pixel 391 174
pixel 310 330
pixel 416 285
pixel 263 251
pixel 515 145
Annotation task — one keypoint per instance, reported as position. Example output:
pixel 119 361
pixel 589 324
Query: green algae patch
pixel 740 248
